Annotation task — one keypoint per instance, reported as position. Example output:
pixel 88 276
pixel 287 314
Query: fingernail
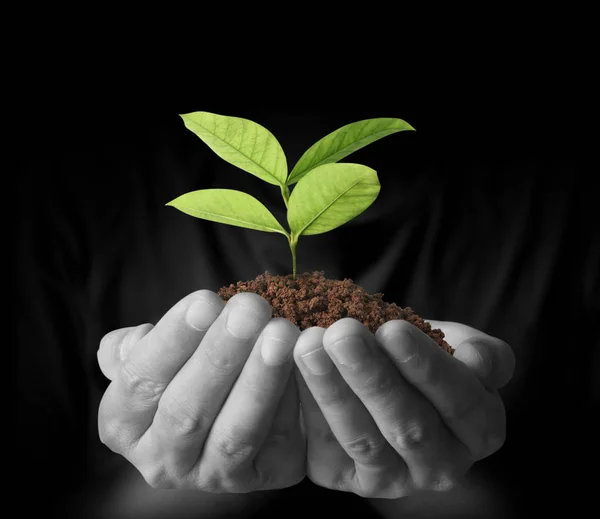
pixel 201 314
pixel 317 362
pixel 274 351
pixel 242 322
pixel 351 351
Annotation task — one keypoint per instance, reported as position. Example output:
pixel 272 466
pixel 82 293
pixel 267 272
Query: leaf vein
pixel 234 149
pixel 328 206
pixel 230 218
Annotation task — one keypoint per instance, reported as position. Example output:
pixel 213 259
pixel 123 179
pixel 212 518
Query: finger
pixel 328 464
pixel 115 346
pixel 471 412
pixel 490 358
pixel 130 402
pixel 286 440
pixel 349 420
pixel 195 395
pixel 244 421
pixel 404 416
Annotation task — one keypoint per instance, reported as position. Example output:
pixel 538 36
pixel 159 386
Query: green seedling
pixel 326 195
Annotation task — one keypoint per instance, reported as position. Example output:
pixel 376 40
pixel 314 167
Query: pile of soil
pixel 314 300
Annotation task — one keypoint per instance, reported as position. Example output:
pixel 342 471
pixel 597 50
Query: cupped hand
pixel 205 399
pixel 392 413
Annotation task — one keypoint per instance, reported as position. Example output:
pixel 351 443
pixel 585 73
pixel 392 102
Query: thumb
pixel 116 345
pixel 489 358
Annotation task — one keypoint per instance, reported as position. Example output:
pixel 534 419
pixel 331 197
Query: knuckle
pixel 156 476
pixel 442 481
pixel 377 386
pixel 364 449
pixel 393 484
pixel 256 388
pixel 209 482
pixel 226 362
pixel 368 488
pixel 233 445
pixel 335 396
pixel 425 369
pixel 439 482
pixel 327 476
pixel 212 479
pixel 400 487
pixel 138 383
pixel 180 418
pixel 257 478
pixel 409 436
pixel 217 481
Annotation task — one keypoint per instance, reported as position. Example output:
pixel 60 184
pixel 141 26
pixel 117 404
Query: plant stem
pixel 285 193
pixel 293 245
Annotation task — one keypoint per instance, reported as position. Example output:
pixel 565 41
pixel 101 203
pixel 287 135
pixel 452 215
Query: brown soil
pixel 314 300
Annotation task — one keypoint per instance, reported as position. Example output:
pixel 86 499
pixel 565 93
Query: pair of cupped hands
pixel 224 398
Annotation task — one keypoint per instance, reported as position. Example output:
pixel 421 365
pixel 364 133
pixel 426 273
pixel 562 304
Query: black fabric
pixel 479 226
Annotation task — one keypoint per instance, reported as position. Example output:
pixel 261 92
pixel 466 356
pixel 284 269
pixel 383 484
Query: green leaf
pixel 241 142
pixel 230 207
pixel 329 196
pixel 344 141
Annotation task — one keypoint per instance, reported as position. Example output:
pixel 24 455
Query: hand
pixel 206 398
pixel 391 413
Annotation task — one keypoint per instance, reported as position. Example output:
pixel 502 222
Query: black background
pixel 532 121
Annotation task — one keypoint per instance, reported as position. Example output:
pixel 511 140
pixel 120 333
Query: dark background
pixel 496 134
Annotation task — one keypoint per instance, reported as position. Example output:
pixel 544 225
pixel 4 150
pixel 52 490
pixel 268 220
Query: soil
pixel 314 300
